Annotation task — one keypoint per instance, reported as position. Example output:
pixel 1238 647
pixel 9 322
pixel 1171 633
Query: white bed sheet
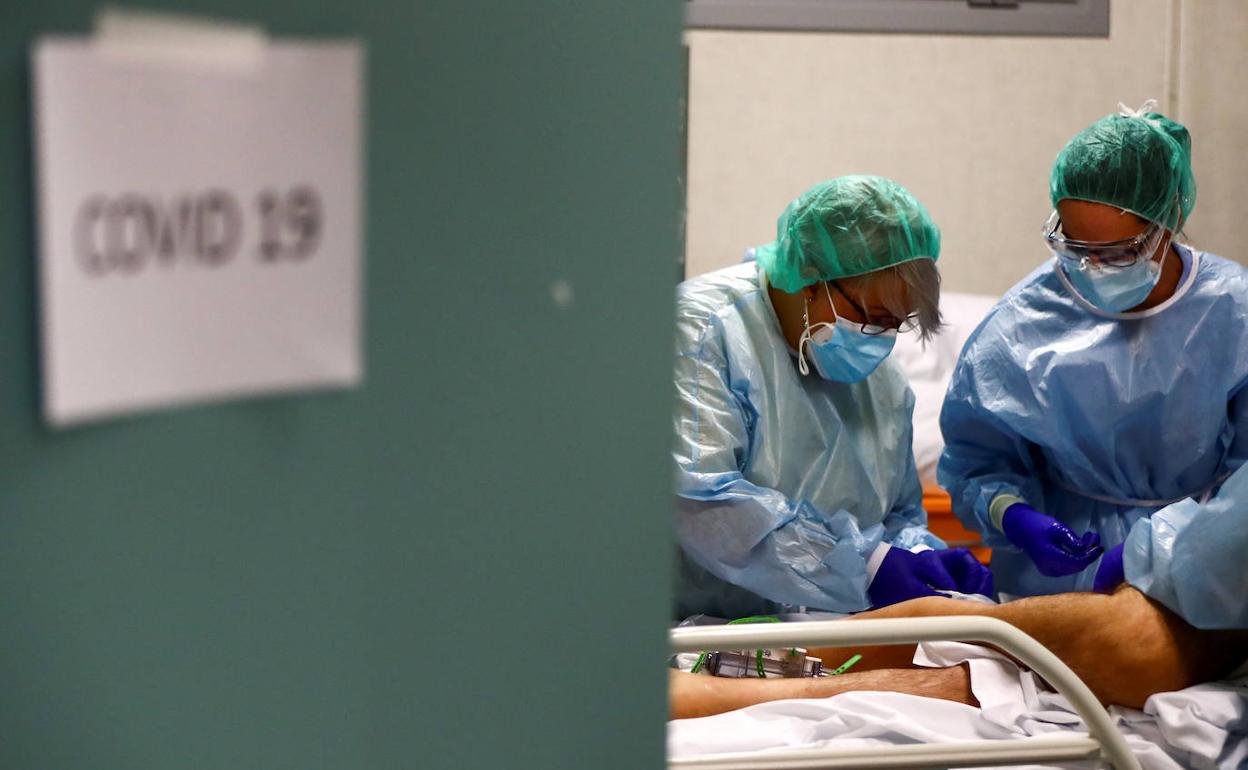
pixel 1201 727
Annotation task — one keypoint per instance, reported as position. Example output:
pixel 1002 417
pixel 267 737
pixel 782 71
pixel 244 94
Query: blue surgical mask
pixel 1116 290
pixel 841 352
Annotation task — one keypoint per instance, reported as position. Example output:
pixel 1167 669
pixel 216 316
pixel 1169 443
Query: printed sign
pixel 199 225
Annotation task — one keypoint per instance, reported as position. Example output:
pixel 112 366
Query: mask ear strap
pixel 835 315
pixel 802 341
pixel 807 333
pixel 1170 235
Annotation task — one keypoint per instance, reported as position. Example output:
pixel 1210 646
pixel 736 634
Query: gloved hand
pixel 971 576
pixel 904 575
pixel 1053 548
pixel 1111 573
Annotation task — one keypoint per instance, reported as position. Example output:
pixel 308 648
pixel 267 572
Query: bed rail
pixel 1103 739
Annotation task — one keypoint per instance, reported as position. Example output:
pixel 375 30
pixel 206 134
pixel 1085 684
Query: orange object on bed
pixel 942 523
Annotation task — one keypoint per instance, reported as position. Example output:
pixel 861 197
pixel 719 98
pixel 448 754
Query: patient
pixel 1125 646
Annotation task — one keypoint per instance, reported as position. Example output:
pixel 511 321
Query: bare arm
pixel 699 696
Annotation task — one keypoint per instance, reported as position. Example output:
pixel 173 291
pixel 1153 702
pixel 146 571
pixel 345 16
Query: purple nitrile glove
pixel 1053 548
pixel 1111 573
pixel 971 576
pixel 904 575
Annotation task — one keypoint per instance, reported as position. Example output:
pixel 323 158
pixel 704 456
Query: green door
pixel 465 562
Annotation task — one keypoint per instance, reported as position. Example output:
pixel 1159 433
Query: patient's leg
pixel 690 695
pixel 1126 647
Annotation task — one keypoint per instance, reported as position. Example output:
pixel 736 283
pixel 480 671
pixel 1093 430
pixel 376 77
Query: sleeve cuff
pixel 996 510
pixel 875 560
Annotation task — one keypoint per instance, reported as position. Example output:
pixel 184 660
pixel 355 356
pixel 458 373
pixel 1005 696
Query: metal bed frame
pixel 1103 742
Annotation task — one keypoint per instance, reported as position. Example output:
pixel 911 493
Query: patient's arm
pixel 690 695
pixel 1125 647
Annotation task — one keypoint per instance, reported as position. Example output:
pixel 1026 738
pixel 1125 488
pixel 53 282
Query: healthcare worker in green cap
pixel 796 484
pixel 1096 412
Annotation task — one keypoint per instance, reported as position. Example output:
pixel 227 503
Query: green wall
pixel 465 562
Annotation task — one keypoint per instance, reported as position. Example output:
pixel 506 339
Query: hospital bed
pixel 1103 740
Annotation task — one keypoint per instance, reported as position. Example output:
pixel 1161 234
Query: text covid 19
pixel 130 233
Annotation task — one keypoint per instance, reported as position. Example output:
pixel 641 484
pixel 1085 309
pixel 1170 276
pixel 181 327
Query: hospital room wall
pixel 971 124
pixel 1213 57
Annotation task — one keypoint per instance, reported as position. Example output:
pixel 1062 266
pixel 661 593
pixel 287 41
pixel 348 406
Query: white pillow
pixel 929 368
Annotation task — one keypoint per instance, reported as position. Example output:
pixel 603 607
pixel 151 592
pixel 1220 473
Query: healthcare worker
pixel 796 484
pixel 1190 557
pixel 1108 384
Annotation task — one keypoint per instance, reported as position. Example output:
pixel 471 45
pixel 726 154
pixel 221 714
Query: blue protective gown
pixel 1099 422
pixel 1190 556
pixel 785 483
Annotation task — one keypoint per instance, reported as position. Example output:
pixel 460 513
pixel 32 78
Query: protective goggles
pixel 1123 253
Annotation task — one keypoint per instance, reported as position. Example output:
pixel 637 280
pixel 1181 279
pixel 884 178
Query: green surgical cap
pixel 1138 161
pixel 847 226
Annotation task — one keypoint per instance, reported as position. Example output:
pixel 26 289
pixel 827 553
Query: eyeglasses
pixel 877 326
pixel 1120 253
